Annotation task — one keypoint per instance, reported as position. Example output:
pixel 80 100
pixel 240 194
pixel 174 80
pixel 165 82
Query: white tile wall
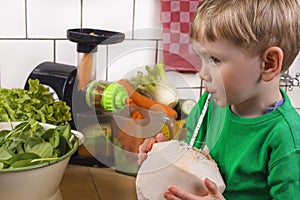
pixel 295 93
pixel 12 19
pixel 180 80
pixel 34 31
pixel 18 59
pixel 65 52
pixel 160 57
pixel 295 67
pixel 126 58
pixel 147 24
pixel 51 19
pixel 189 94
pixel 295 97
pixel 116 15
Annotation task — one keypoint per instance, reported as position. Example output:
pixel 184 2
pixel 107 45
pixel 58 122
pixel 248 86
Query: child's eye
pixel 214 60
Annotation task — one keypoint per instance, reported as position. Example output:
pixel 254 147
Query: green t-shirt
pixel 259 158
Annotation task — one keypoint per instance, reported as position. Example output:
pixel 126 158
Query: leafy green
pixel 29 144
pixel 35 103
pixel 155 83
pixel 44 149
pixel 4 154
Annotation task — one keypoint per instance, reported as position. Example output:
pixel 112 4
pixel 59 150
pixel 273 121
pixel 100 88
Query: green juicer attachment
pixel 106 96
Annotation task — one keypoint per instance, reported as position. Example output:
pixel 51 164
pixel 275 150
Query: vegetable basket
pixel 39 181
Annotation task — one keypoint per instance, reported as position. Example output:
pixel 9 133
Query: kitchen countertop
pixel 96 183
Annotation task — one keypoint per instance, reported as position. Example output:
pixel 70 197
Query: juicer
pixel 68 82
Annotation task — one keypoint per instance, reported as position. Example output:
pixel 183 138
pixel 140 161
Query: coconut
pixel 172 163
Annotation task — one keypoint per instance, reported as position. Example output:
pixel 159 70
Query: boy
pixel 245 46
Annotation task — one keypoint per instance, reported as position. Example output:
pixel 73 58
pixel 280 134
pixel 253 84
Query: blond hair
pixel 253 25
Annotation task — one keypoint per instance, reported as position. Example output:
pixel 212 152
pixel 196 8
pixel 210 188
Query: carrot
pixel 130 102
pixel 130 143
pixel 136 115
pixel 146 102
pixel 85 70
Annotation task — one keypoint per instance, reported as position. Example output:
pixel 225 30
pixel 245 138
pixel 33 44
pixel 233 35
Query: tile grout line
pixel 133 20
pixel 81 13
pixel 26 19
pixel 95 186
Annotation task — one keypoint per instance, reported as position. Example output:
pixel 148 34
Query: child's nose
pixel 204 74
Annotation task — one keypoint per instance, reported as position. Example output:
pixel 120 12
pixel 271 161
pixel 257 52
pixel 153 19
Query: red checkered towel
pixel 176 16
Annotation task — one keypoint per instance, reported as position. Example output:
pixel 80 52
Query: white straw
pixel 195 134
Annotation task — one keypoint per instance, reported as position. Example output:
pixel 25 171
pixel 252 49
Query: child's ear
pixel 272 63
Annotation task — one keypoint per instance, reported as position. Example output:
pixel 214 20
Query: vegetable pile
pixel 137 99
pixel 155 84
pixel 29 144
pixel 36 103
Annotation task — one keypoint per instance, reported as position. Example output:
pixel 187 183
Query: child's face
pixel 229 74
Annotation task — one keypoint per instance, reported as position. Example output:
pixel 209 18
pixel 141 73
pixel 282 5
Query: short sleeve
pixel 284 177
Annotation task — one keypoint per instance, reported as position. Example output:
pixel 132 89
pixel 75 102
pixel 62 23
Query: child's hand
pixel 175 193
pixel 147 146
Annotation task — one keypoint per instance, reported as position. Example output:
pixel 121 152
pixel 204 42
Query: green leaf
pixel 24 156
pixel 36 103
pixel 32 141
pixel 15 142
pixel 63 146
pixel 20 163
pixel 3 133
pixel 22 160
pixel 19 149
pixel 52 136
pixel 28 143
pixel 44 150
pixel 65 131
pixel 4 154
pixel 16 130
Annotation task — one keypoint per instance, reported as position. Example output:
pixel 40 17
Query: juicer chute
pixel 87 41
